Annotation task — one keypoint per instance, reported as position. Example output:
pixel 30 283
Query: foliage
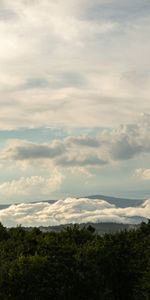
pixel 74 264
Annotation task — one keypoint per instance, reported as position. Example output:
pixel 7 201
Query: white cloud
pixel 143 173
pixel 72 210
pixel 34 186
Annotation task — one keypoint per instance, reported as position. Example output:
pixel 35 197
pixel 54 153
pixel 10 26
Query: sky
pixel 74 99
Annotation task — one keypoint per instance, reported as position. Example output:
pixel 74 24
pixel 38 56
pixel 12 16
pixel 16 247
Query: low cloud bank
pixel 72 210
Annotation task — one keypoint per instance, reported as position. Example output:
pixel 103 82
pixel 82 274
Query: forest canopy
pixel 74 264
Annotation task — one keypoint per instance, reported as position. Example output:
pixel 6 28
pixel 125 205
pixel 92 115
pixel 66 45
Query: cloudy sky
pixel 74 99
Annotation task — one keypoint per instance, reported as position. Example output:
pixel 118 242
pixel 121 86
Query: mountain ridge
pixel 118 201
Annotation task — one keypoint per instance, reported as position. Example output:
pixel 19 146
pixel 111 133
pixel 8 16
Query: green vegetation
pixel 74 264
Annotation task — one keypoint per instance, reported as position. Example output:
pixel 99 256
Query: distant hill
pixel 119 202
pixel 100 228
pixel 3 206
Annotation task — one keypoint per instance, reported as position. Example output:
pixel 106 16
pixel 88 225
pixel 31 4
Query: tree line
pixel 74 264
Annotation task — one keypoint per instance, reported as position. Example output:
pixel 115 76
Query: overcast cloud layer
pixel 72 210
pixel 73 63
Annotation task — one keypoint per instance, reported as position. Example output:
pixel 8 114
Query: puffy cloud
pixel 24 150
pixel 70 152
pixel 122 143
pixel 90 161
pixel 34 186
pixel 143 173
pixel 72 210
pixel 83 141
